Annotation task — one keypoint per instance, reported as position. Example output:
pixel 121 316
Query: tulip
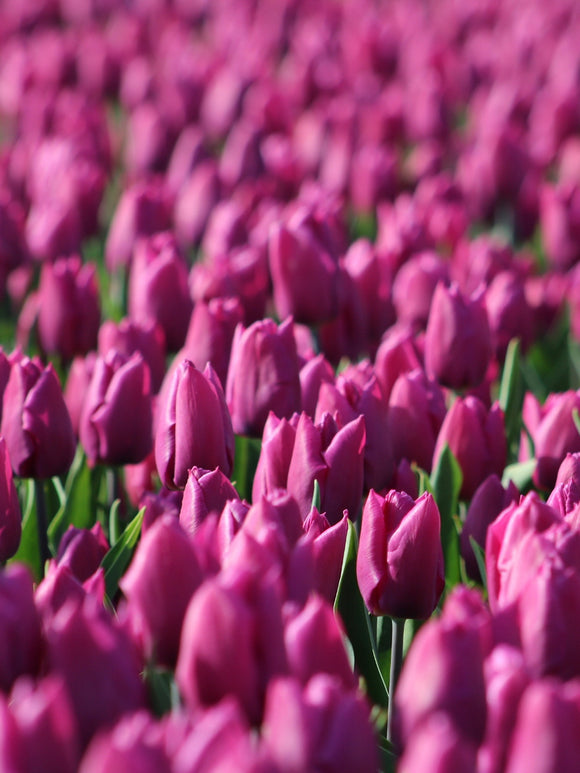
pixel 82 550
pixel 560 221
pixel 438 747
pixel 397 354
pixel 20 631
pixel 161 580
pixel 211 333
pixel 10 515
pixel 477 439
pixel 262 376
pixel 89 650
pixel 489 500
pixel 35 422
pixel 142 210
pixel 414 285
pixel 312 374
pixel 206 491
pixel 509 313
pixel 158 288
pixel 79 377
pixel 400 559
pixel 68 308
pixel 194 427
pixel 194 203
pixel 416 412
pixel 457 339
pixel 304 274
pixel 549 712
pixel 129 336
pixel 346 335
pixel 46 725
pixel 116 420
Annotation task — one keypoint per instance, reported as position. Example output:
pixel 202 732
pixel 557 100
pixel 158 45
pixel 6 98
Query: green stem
pixel 396 664
pixel 41 522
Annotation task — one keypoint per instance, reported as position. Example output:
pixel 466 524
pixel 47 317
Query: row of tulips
pixel 291 319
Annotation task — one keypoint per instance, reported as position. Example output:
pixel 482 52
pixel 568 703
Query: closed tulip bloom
pixel 129 336
pixel 68 308
pixel 458 338
pixel 82 550
pixel 36 423
pixel 414 285
pixel 161 580
pixel 477 438
pixel 206 491
pixel 560 221
pixel 263 375
pixel 397 354
pixel 510 315
pixel 194 427
pixel 20 628
pixel 437 746
pixel 304 273
pixel 10 515
pixel 116 420
pixel 158 287
pixel 399 566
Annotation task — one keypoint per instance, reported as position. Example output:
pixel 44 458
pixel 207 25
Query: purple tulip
pixel 89 650
pixel 458 339
pixel 129 336
pixel 437 746
pixel 560 221
pixel 20 631
pixel 509 313
pixel 158 287
pixel 416 412
pixel 399 566
pixel 116 420
pixel 414 286
pixel 262 376
pixel 397 354
pixel 477 439
pixel 194 427
pixel 68 308
pixel 194 203
pixel 82 550
pixel 161 580
pixel 206 491
pixel 10 515
pixel 79 377
pixel 36 423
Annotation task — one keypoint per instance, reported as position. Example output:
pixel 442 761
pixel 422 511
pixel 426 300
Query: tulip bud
pixel 399 566
pixel 116 420
pixel 36 423
pixel 560 222
pixel 396 354
pixel 436 745
pixel 489 500
pixel 509 313
pixel 477 439
pixel 194 427
pixel 458 339
pixel 10 515
pixel 262 376
pixel 205 492
pixel 129 336
pixel 414 285
pixel 158 287
pixel 89 650
pixel 211 332
pixel 416 412
pixel 68 308
pixel 304 274
pixel 158 586
pixel 82 550
pixel 20 630
pixel 195 201
pixel 142 210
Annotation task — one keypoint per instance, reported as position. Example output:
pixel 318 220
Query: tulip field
pixel 289 386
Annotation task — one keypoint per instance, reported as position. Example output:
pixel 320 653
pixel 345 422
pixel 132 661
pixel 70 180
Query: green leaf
pixel 446 481
pixel 479 554
pixel 511 397
pixel 576 419
pixel 114 522
pixel 246 460
pixel 388 758
pixel 521 474
pixel 80 505
pixel 351 607
pixel 119 556
pixel 28 551
pixel 162 690
pixel 316 496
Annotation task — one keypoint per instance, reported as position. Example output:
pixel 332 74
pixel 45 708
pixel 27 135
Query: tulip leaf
pixel 479 554
pixel 316 495
pixel 354 615
pixel 246 460
pixel 388 758
pixel 162 690
pixel 80 501
pixel 28 551
pixel 511 396
pixel 446 481
pixel 119 556
pixel 521 473
pixel 576 419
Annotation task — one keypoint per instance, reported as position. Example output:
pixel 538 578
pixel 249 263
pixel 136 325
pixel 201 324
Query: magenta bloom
pixel 10 515
pixel 116 419
pixel 194 428
pixel 399 566
pixel 36 423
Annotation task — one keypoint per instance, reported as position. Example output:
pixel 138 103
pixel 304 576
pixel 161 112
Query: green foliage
pixel 446 480
pixel 245 463
pixel 119 556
